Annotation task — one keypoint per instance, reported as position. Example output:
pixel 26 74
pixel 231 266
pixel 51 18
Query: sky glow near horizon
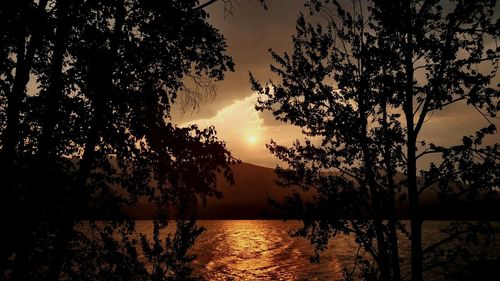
pixel 243 128
pixel 250 33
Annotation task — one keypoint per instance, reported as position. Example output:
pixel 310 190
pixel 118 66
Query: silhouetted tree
pixel 92 135
pixel 361 86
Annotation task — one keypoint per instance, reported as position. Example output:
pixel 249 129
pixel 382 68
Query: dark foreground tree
pixel 86 90
pixel 362 85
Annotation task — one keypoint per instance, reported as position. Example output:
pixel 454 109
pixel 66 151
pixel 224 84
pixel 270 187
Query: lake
pixel 264 250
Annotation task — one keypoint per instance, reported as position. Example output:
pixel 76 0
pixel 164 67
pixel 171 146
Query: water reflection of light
pixel 258 250
pixel 261 250
pixel 252 250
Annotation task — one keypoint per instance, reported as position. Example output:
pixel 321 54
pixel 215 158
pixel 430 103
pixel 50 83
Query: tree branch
pixel 437 82
pixel 428 152
pixel 204 5
pixel 483 114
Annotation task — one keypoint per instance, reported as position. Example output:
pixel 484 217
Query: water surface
pixel 264 250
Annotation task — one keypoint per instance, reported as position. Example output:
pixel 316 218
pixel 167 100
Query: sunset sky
pixel 251 31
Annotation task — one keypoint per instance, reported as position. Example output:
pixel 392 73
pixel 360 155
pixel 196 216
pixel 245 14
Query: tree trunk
pixel 14 98
pixel 382 257
pixel 74 207
pixel 55 90
pixel 393 238
pixel 102 86
pixel 11 138
pixel 78 196
pixel 27 211
pixel 415 217
pixel 47 158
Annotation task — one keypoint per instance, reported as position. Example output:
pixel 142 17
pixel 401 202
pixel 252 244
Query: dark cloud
pixel 250 32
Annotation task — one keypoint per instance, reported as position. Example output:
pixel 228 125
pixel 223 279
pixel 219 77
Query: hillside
pixel 249 197
pixel 254 185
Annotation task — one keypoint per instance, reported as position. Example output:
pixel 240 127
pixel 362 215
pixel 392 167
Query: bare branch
pixel 483 114
pixel 204 5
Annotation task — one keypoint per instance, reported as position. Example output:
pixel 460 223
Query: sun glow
pixel 243 128
pixel 252 139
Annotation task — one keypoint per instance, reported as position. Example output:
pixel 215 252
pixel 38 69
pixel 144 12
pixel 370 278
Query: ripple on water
pixel 263 250
pixel 254 250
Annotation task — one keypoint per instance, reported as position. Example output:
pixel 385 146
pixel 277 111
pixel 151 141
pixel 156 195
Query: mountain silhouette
pixel 249 198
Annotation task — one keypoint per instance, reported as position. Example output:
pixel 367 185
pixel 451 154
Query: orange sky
pixel 250 32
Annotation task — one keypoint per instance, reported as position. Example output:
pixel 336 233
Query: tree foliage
pixel 86 91
pixel 362 84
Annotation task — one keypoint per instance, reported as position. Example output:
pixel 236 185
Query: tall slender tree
pixel 362 85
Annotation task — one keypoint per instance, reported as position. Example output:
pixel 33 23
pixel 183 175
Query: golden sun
pixel 252 139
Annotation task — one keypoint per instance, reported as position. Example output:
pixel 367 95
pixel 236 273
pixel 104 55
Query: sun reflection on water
pixel 257 250
pixel 263 250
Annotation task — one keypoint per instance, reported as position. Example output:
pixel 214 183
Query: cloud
pixel 250 32
pixel 246 133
